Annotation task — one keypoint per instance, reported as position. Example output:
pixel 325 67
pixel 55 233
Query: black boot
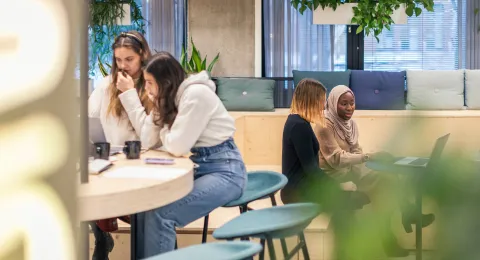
pixel 103 243
pixel 391 246
pixel 409 218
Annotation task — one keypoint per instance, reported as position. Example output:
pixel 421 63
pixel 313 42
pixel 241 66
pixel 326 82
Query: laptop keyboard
pixel 419 161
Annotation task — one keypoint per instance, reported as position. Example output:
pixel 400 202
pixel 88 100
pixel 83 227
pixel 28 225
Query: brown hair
pixel 169 75
pixel 309 101
pixel 135 41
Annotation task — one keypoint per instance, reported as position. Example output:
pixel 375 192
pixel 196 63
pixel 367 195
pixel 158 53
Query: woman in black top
pixel 307 182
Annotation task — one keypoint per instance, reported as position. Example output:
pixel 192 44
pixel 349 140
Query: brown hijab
pixel 346 129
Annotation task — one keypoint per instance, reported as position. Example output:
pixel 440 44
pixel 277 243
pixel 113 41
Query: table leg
pixel 133 237
pixel 418 226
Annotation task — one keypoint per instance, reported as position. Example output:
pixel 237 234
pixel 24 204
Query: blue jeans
pixel 219 178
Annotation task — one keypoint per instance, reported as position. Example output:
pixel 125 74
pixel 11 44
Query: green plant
pixel 103 28
pixel 196 62
pixel 102 68
pixel 475 12
pixel 372 16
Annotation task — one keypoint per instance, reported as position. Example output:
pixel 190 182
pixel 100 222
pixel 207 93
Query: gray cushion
pixel 472 89
pixel 239 94
pixel 435 89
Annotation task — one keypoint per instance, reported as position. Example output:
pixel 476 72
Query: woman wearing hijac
pixel 342 158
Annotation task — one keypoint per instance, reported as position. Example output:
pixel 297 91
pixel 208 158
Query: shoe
pixel 409 219
pixel 392 248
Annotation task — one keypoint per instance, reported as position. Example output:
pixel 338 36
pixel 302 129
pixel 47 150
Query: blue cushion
pixel 378 90
pixel 329 79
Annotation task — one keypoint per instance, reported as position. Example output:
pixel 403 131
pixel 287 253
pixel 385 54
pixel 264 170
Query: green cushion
pixel 329 79
pixel 246 94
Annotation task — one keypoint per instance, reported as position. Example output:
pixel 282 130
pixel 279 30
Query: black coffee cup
pixel 101 151
pixel 132 149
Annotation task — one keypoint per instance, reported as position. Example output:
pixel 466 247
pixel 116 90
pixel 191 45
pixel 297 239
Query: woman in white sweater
pixel 188 117
pixel 122 104
pixel 120 100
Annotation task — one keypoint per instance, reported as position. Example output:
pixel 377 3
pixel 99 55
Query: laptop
pixel 95 130
pixel 423 162
pixel 97 135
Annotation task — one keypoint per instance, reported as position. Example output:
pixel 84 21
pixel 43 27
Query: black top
pixel 299 152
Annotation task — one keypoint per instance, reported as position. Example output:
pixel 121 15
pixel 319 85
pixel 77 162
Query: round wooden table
pixel 105 197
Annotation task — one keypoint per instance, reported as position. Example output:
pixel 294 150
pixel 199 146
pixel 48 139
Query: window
pixel 293 42
pixel 432 41
pixel 165 25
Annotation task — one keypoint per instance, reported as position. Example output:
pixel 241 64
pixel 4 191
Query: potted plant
pixel 105 25
pixel 196 63
pixel 372 16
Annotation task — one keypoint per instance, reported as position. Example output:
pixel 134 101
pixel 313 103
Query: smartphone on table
pixel 162 161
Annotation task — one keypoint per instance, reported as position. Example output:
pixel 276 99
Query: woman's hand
pixel 124 83
pixel 348 186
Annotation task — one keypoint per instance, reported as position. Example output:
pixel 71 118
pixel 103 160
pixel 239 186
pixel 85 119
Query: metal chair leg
pixel 272 198
pixel 284 247
pixel 271 249
pixel 243 209
pixel 306 256
pixel 282 241
pixel 262 253
pixel 205 229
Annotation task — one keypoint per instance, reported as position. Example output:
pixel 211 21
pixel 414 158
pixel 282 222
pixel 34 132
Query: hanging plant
pixel 372 16
pixel 103 29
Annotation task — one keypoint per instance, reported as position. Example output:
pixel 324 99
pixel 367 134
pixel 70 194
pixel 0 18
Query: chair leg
pixel 272 198
pixel 262 253
pixel 271 249
pixel 205 229
pixel 176 245
pixel 243 209
pixel 282 241
pixel 284 247
pixel 306 256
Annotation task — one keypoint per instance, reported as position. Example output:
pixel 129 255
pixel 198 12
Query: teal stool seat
pixel 234 250
pixel 260 185
pixel 272 223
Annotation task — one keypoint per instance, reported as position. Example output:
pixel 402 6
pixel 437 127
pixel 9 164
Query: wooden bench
pixel 401 132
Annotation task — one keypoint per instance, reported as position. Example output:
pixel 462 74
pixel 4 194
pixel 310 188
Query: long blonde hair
pixel 309 101
pixel 135 41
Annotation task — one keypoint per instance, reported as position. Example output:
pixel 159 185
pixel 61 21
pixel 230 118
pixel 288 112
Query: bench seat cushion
pixel 378 90
pixel 472 89
pixel 435 89
pixel 238 94
pixel 329 79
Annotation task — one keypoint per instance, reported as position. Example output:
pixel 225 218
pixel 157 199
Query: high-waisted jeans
pixel 219 177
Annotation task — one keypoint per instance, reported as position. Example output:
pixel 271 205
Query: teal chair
pixel 260 185
pixel 272 223
pixel 234 250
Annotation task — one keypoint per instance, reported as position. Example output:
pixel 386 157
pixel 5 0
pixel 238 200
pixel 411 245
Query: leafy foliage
pixel 372 16
pixel 103 28
pixel 196 62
